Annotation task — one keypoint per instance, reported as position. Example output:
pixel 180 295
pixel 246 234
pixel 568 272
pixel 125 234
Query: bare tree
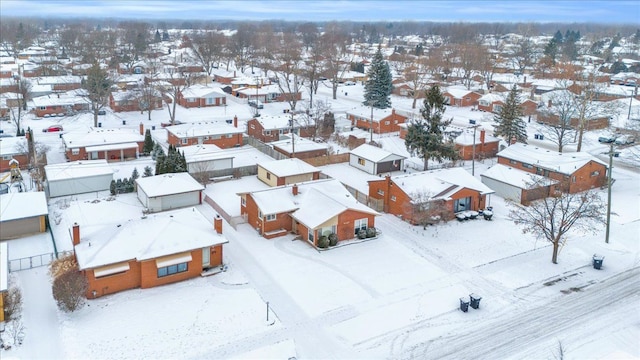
pixel 556 118
pixel 173 87
pixel 287 66
pixel 19 101
pixel 552 218
pixel 207 48
pixel 12 300
pixel 417 75
pixel 313 119
pixel 240 45
pixel 524 54
pixel 97 86
pixel 424 210
pixel 468 56
pixel 337 55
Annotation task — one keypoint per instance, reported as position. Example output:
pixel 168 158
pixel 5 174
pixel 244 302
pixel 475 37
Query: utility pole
pixel 611 154
pixel 371 123
pixel 633 93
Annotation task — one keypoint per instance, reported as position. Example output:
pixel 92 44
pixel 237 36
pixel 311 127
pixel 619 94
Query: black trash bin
pixel 124 122
pixel 153 127
pixel 99 124
pixel 536 136
pixel 475 300
pixel 597 261
pixel 464 305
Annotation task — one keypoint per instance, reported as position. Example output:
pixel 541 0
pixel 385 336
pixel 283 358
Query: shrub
pixel 69 290
pixel 362 234
pixel 371 232
pixel 333 239
pixel 323 242
pixel 62 265
pixel 12 300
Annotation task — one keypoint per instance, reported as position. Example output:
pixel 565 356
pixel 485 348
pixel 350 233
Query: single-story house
pixel 218 133
pixel 60 104
pixel 461 97
pixel 109 144
pixel 486 146
pixel 375 160
pixel 60 83
pixel 310 209
pixel 169 191
pixel 77 177
pixel 384 120
pixel 13 148
pixel 201 96
pixel 206 158
pixel 441 193
pixel 517 185
pixel 286 171
pixel 556 111
pixel 222 76
pixel 268 128
pixel 575 172
pixel 300 148
pixel 157 249
pixel 135 100
pixel 22 214
pixel 491 102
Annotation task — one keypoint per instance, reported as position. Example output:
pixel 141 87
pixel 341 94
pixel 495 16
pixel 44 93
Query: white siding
pixel 503 190
pixel 180 200
pixel 79 185
pixel 368 166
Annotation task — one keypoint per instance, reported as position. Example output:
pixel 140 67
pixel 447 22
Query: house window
pixel 209 101
pixel 185 141
pixel 6 157
pixel 281 131
pixel 271 217
pixel 360 161
pixel 260 214
pixel 512 162
pixel 483 103
pixel 573 179
pixel 253 126
pixel 462 204
pixel 386 122
pixel 546 173
pixel 310 236
pixel 229 136
pixel 243 200
pixel 75 151
pixel 380 192
pixel 497 108
pixel 43 108
pixel 206 257
pixel 268 176
pixel 191 99
pixel 267 132
pixel 393 198
pixel 360 224
pixel 528 166
pixel 595 173
pixel 538 171
pixel 172 269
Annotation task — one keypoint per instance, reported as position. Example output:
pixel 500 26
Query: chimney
pixel 294 189
pixel 76 234
pixel 482 133
pixel 217 224
pixel 234 73
pixel 525 80
pixel 235 121
pixel 549 103
pixel 141 129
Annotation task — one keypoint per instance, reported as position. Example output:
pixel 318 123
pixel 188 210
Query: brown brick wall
pixel 223 143
pixel 112 155
pixel 113 283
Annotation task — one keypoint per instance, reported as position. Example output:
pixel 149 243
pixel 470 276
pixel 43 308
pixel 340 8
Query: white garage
pixel 78 177
pixel 169 191
pixel 517 185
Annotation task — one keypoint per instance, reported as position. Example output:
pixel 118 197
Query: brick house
pixel 375 160
pixel 557 111
pixel 201 96
pixel 223 76
pixel 461 97
pixel 491 102
pixel 60 83
pixel 60 104
pixel 310 209
pixel 268 128
pixel 265 93
pixel 109 144
pixel 218 133
pixel 287 171
pixel 384 120
pixel 132 100
pixel 487 146
pixel 159 254
pixel 452 190
pixel 575 172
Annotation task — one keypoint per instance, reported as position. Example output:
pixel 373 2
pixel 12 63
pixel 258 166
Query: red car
pixel 53 128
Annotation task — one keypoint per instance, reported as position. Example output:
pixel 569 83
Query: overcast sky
pixel 601 11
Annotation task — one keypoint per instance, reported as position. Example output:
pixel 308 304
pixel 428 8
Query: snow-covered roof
pixel 288 167
pixel 77 169
pixel 439 184
pixel 491 97
pixel 363 111
pixel 68 98
pixel 564 163
pixel 301 145
pixel 101 137
pixel 201 91
pixel 54 80
pixel 466 138
pixel 13 145
pixel 457 92
pixel 189 130
pixel 516 177
pixel 21 205
pixel 147 238
pixel 375 154
pixel 168 184
pixel 317 201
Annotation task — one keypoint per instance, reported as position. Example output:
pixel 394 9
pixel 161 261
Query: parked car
pixel 624 140
pixel 256 104
pixel 53 128
pixel 102 112
pixel 177 122
pixel 606 139
pixel 349 83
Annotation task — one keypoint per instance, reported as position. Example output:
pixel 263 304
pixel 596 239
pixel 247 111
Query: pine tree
pixel 425 137
pixel 148 171
pixel 160 163
pixel 148 146
pixel 509 123
pixel 135 174
pixel 112 187
pixel 377 90
pixel 157 37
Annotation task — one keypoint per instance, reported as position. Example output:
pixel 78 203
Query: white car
pixel 624 140
pixel 349 83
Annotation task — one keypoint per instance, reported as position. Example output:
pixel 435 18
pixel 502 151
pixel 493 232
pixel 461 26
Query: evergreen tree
pixel 157 150
pixel 157 37
pixel 148 146
pixel 551 49
pixel 112 187
pixel 558 37
pixel 509 123
pixel 98 88
pixel 135 174
pixel 148 171
pixel 160 163
pixel 165 36
pixel 425 137
pixel 377 90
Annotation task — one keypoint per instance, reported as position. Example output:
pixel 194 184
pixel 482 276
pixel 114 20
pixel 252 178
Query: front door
pixel 462 204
